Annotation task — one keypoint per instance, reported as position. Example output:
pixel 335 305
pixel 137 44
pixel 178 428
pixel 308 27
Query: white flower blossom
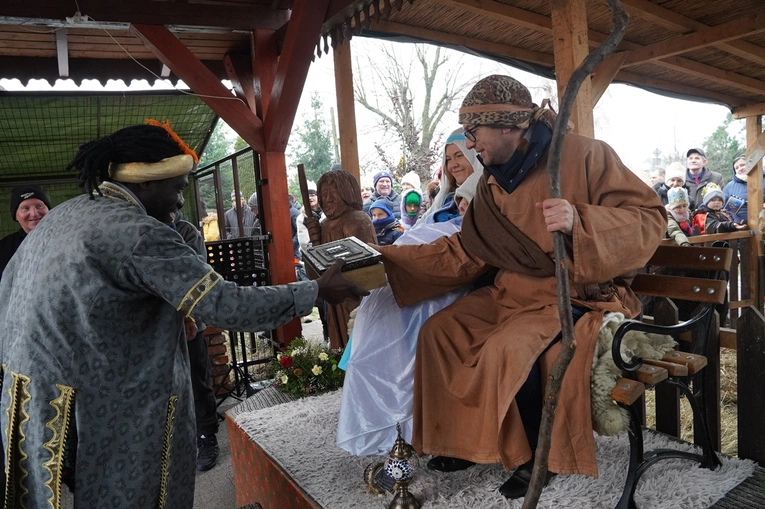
pixel 323 356
pixel 316 370
pixel 284 379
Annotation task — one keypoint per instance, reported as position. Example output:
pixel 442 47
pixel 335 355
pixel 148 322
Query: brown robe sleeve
pixel 620 233
pixel 420 272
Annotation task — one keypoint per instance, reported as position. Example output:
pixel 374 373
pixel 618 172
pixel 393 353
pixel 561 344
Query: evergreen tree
pixel 722 148
pixel 313 146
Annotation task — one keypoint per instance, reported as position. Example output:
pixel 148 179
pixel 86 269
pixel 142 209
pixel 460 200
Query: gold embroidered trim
pixel 165 465
pixel 115 192
pixel 198 291
pixel 59 425
pixel 18 416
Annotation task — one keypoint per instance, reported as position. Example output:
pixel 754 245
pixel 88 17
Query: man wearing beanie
pixel 480 362
pixel 383 190
pixel 29 204
pixel 699 175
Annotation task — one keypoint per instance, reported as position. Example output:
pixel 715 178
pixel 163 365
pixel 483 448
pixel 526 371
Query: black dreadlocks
pixel 135 144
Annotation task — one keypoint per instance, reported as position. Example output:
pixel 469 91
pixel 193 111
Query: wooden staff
pixel 568 345
pixel 314 235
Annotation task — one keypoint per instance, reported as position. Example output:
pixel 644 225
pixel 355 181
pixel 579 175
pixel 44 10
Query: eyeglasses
pixel 470 133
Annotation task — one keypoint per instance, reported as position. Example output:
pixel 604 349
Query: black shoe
pixel 207 452
pixel 447 464
pixel 518 484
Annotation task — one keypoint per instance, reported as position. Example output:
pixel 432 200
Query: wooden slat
pixel 672 368
pixel 675 287
pixel 648 375
pixel 702 258
pixel 694 362
pixel 627 391
pixel 62 51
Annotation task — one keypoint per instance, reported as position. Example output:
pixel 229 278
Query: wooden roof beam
pixel 150 12
pixel 750 110
pixel 671 86
pixel 534 57
pixel 520 17
pixel 676 22
pixel 239 70
pixel 171 52
pixel 604 74
pixel 62 53
pixel 735 29
pixel 303 32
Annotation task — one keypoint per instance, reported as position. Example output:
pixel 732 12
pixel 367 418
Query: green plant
pixel 307 368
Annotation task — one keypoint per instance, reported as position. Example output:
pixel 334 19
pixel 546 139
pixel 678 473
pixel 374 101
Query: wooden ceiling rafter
pixel 171 52
pixel 508 14
pixel 735 29
pixel 677 22
pixel 303 31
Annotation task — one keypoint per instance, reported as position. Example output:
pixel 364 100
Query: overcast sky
pixel 634 122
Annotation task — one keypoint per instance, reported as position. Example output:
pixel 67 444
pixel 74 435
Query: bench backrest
pixel 697 286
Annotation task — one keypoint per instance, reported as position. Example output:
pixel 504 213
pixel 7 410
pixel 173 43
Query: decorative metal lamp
pixel 395 474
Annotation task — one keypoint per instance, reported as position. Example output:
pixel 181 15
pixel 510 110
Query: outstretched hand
pixel 559 215
pixel 335 288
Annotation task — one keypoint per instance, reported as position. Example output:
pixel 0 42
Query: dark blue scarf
pixel 382 223
pixel 531 149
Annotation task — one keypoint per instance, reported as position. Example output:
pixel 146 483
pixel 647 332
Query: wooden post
pixel 754 202
pixel 750 353
pixel 571 46
pixel 276 205
pixel 346 110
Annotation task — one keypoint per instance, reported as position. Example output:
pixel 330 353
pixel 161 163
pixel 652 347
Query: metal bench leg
pixel 635 433
pixel 710 458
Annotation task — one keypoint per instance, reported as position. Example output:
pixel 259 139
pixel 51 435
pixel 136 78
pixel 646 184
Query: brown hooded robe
pixel 473 356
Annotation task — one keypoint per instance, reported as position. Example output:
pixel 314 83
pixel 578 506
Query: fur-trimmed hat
pixel 674 170
pixel 676 197
pixel 26 192
pixel 710 191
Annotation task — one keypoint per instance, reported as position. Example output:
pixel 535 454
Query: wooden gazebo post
pixel 268 82
pixel 346 109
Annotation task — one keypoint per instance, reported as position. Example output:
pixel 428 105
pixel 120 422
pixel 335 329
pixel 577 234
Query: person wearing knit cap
pixel 101 292
pixel 674 176
pixel 411 181
pixel 679 226
pixel 387 227
pixel 479 363
pixel 29 204
pixel 698 175
pixel 710 218
pixel 382 182
pixel 411 207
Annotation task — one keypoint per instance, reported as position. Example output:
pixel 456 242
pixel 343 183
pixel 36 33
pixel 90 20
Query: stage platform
pixel 284 457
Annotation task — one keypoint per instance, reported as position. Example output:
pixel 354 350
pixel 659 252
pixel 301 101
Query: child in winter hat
pixel 387 227
pixel 411 181
pixel 709 217
pixel 411 201
pixel 679 225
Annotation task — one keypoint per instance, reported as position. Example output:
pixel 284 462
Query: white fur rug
pixel 300 436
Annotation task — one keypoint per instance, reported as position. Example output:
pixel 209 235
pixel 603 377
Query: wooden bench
pixel 681 371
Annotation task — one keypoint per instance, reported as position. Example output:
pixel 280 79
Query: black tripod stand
pixel 244 384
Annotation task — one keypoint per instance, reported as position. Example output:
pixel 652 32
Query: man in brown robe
pixel 479 360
